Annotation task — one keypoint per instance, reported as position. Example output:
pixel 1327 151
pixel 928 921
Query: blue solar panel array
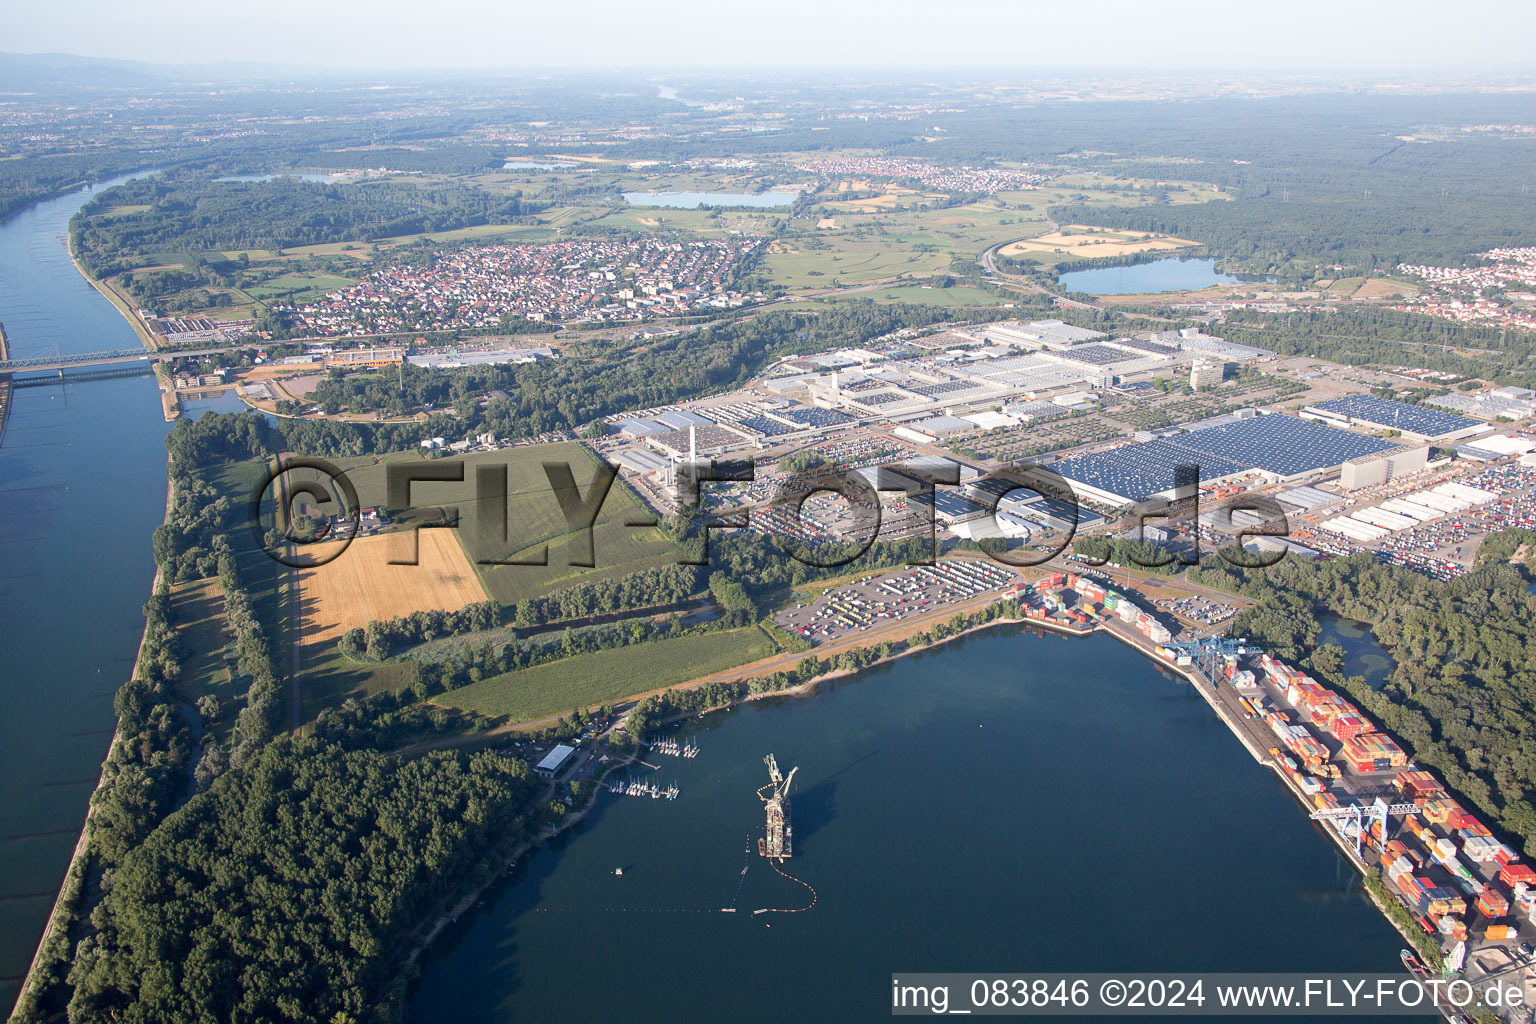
pixel 765 426
pixel 1415 419
pixel 816 417
pixel 1277 444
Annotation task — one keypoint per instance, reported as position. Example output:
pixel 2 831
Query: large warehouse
pixel 1410 420
pixel 1279 446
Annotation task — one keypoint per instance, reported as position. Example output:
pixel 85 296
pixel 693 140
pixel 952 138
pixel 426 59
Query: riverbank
pixel 65 914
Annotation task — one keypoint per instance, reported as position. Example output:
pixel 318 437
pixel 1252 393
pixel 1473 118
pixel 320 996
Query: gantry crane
pixel 1207 649
pixel 1358 815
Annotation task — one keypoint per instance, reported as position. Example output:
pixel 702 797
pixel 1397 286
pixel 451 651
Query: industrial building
pixel 1498 404
pixel 1378 468
pixel 1279 447
pixel 353 358
pixel 555 760
pixel 1206 373
pixel 1413 421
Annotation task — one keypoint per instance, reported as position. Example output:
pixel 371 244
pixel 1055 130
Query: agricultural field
pixel 924 295
pixel 533 520
pixel 556 687
pixel 851 263
pixel 362 584
pixel 326 678
pixel 1078 241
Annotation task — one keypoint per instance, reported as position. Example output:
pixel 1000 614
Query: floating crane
pixel 778 843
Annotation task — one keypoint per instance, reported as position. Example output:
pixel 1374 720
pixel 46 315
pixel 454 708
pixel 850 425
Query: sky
pixel 895 36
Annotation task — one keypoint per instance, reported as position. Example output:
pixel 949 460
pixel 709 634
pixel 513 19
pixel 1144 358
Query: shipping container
pixel 1492 902
pixel 1498 932
pixel 1516 873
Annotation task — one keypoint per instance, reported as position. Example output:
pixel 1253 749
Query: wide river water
pixel 82 486
pixel 1009 802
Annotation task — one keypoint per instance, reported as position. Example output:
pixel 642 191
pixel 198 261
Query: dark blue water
pixel 82 486
pixel 1363 656
pixel 1007 803
pixel 1169 275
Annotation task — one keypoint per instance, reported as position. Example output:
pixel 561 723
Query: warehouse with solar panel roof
pixel 1279 448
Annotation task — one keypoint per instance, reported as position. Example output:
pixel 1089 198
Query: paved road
pixel 989 263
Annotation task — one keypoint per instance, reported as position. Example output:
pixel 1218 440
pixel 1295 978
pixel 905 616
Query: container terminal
pixel 1459 882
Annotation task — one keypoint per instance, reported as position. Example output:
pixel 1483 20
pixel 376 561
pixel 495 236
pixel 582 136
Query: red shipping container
pixel 1347 726
pixel 1515 873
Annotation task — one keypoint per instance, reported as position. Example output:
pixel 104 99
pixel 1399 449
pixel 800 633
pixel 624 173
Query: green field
pixel 298 287
pixel 199 615
pixel 961 295
pixel 853 263
pixel 602 676
pixel 326 679
pixel 534 519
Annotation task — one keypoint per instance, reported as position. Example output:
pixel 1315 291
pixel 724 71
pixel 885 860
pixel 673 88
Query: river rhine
pixel 1005 803
pixel 82 487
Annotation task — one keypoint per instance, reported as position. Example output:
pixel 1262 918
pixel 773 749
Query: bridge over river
pixel 70 360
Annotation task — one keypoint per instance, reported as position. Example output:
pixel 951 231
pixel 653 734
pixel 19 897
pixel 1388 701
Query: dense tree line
pixel 381 638
pixel 1462 696
pixel 1385 337
pixel 198 214
pixel 196 530
pixel 644 588
pixel 258 719
pixel 284 891
pixel 147 770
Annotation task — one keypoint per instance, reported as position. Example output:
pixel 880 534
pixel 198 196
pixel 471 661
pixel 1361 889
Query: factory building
pixel 1413 421
pixel 1206 373
pixel 1378 468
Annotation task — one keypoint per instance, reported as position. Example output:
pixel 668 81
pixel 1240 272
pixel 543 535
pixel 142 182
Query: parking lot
pixel 870 601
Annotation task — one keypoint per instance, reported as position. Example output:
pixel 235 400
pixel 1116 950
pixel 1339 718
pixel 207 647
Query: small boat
pixel 1414 964
pixel 618 871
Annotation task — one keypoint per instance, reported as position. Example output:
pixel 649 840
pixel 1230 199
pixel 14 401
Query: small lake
pixel 1363 656
pixel 1170 275
pixel 695 200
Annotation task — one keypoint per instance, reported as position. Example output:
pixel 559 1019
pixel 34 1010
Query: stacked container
pixel 1492 902
pixel 1515 873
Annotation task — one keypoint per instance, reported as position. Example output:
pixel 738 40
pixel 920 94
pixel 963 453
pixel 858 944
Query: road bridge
pixel 68 360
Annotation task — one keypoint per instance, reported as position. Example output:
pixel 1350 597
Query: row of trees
pixel 381 638
pixel 644 588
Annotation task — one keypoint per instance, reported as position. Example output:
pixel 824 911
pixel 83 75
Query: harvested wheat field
pixel 361 585
pixel 1076 240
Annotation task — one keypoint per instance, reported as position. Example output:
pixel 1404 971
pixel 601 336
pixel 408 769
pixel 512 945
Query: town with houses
pixel 583 281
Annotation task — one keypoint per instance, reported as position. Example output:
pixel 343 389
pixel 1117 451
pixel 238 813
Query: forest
pixel 187 213
pixel 1358 336
pixel 284 891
